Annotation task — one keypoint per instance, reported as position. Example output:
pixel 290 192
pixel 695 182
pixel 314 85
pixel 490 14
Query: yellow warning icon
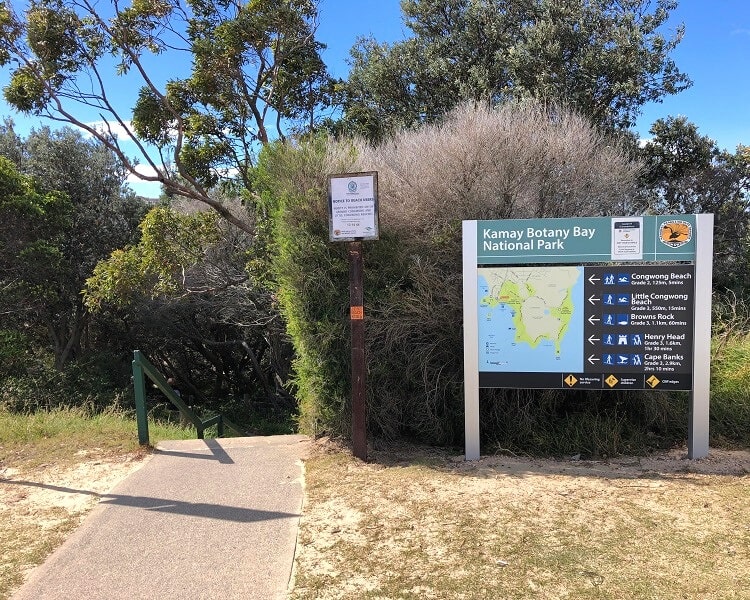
pixel 611 381
pixel 653 381
pixel 570 380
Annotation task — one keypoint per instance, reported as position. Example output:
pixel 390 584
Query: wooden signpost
pixel 352 218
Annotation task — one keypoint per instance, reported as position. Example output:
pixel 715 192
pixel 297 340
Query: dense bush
pixel 97 383
pixel 512 162
pixel 191 296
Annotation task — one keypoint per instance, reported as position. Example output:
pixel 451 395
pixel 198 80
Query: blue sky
pixel 715 53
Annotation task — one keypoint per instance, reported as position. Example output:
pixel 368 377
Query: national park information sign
pixel 625 324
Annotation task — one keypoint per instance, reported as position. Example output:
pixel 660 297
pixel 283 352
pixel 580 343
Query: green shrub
pixel 96 384
pixel 14 348
pixel 478 163
pixel 508 163
pixel 730 374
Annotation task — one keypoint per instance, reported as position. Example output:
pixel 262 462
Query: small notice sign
pixel 627 238
pixel 353 207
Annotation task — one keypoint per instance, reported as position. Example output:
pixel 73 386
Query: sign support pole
pixel 701 392
pixel 359 369
pixel 353 218
pixel 471 341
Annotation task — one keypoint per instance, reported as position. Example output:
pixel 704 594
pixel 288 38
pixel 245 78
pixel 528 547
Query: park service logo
pixel 675 233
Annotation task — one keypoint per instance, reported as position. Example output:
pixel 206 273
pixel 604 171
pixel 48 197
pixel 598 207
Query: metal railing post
pixel 139 387
pixel 142 368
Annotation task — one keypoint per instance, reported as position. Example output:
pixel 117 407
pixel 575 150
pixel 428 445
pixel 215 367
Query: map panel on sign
pixel 531 319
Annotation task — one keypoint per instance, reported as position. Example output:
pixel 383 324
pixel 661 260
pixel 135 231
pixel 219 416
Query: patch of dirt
pixel 416 521
pixel 41 506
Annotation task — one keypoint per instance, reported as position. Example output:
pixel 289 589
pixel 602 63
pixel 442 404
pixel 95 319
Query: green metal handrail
pixel 142 368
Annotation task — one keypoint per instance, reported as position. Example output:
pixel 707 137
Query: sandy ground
pixel 48 496
pixel 75 489
pixel 413 522
pixel 41 506
pixel 718 462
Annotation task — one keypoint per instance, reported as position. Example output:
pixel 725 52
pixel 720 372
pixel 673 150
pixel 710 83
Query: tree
pixel 249 69
pixel 189 301
pixel 686 172
pixel 32 223
pixel 101 215
pixel 605 58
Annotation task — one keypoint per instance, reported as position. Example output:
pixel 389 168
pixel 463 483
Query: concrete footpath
pixel 200 519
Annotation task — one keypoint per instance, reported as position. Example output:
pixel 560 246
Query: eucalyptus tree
pixel 686 172
pixel 102 214
pixel 605 58
pixel 241 72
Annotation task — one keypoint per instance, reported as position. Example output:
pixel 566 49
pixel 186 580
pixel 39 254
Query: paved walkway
pixel 201 519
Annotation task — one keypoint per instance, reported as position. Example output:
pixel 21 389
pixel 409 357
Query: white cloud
pixel 145 170
pixel 123 131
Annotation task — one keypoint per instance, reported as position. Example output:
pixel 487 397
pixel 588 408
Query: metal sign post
pixel 701 392
pixel 353 217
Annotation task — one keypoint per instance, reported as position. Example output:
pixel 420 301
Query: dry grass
pixel 432 526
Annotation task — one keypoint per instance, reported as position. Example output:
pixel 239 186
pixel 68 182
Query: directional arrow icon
pixel 593 278
pixel 593 339
pixel 592 319
pixel 593 299
pixel 592 359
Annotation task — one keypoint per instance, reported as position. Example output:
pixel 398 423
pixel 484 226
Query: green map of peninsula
pixel 540 299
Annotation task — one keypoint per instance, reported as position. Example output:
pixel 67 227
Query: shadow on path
pixel 217 453
pixel 165 505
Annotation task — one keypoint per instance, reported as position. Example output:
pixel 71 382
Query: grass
pixel 35 445
pixel 730 385
pixel 58 436
pixel 398 531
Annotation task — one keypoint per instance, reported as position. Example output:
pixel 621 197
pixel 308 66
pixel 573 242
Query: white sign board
pixel 627 238
pixel 353 207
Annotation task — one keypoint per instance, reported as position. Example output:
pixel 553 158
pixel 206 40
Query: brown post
pixel 359 369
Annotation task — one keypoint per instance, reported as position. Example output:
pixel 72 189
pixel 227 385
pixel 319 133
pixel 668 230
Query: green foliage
pixel 478 163
pixel 686 172
pixel 95 384
pixel 32 229
pixel 605 58
pixel 314 307
pixel 255 72
pixel 14 347
pixel 170 243
pixel 193 295
pixel 730 371
pixel 64 207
